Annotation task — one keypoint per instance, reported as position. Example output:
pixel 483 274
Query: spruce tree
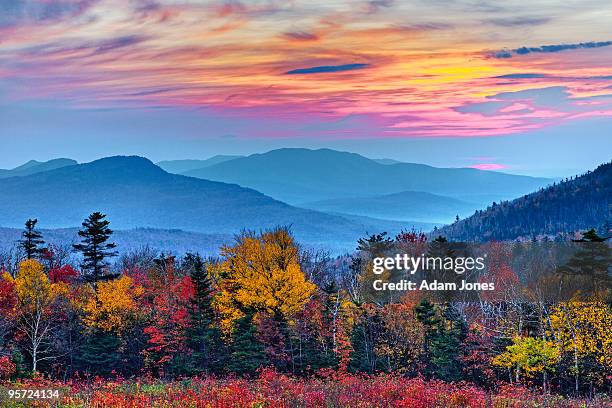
pixel 204 338
pixel 444 335
pixel 31 241
pixel 588 269
pixel 94 247
pixel 100 353
pixel 247 351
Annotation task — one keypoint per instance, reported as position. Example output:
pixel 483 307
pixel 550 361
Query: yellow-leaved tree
pixel 114 306
pixel 529 355
pixel 261 273
pixel 35 298
pixel 583 328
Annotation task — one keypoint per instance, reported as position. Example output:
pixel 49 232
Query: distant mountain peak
pixel 123 160
pixel 35 166
pixel 125 165
pixel 27 165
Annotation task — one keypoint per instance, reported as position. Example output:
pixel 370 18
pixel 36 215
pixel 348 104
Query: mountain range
pixel 572 205
pixel 297 175
pixel 311 178
pixel 33 167
pixel 334 198
pixel 181 166
pixel 135 193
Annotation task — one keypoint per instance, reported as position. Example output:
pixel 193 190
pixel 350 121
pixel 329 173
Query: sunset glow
pixel 401 69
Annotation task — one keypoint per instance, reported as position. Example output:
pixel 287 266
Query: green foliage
pixel 445 331
pixel 31 241
pixel 204 336
pixel 99 354
pixel 94 246
pixel 247 353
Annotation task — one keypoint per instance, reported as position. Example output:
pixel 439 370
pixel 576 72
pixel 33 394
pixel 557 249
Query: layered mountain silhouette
pixel 297 176
pixel 576 204
pixel 34 166
pixel 135 193
pixel 406 205
pixel 181 166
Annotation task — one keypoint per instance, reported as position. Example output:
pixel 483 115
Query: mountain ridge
pixel 34 166
pixel 136 193
pixel 312 175
pixel 181 166
pixel 580 203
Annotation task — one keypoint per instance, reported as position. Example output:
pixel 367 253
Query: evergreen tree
pixel 99 353
pixel 204 338
pixel 247 352
pixel 588 269
pixel 366 334
pixel 447 345
pixel 444 334
pixel 426 314
pixel 31 239
pixel 375 244
pixel 94 247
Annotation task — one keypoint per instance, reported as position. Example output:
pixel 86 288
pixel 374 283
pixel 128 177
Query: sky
pixel 515 86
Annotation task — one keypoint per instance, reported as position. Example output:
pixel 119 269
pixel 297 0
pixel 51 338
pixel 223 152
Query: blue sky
pixel 521 87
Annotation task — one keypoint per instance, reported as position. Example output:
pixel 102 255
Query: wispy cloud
pixel 327 69
pixel 41 11
pixel 119 42
pixel 522 76
pixel 300 36
pixel 549 49
pixel 411 69
pixel 518 21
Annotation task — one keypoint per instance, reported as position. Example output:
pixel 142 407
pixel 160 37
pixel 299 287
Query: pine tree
pixel 426 314
pixel 247 352
pixel 32 239
pixel 366 334
pixel 204 338
pixel 99 353
pixel 444 334
pixel 94 246
pixel 587 270
pixel 448 344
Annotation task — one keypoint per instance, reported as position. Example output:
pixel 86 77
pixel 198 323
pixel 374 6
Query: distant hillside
pixel 181 166
pixel 33 167
pixel 175 241
pixel 301 175
pixel 580 203
pixel 385 224
pixel 387 161
pixel 407 205
pixel 135 193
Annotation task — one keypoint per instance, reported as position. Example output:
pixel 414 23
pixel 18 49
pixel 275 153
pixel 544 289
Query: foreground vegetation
pixel 268 324
pixel 271 389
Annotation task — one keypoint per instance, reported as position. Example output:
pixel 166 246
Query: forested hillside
pixel 574 204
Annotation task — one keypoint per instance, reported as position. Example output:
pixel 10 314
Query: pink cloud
pixel 488 166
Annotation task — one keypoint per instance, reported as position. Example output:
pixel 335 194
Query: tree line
pixel 265 301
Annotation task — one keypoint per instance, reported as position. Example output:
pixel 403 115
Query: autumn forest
pixel 268 323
